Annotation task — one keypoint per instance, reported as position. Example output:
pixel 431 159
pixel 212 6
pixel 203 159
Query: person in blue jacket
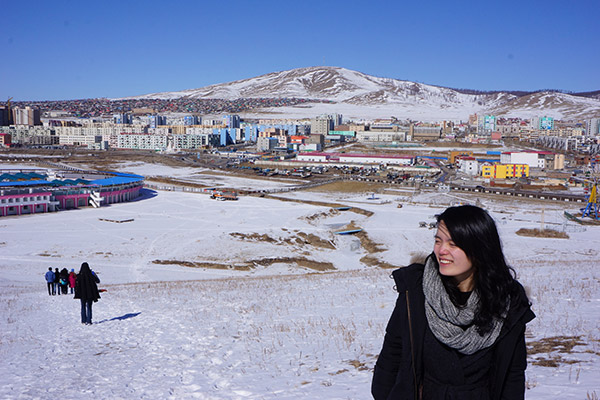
pixel 458 328
pixel 50 281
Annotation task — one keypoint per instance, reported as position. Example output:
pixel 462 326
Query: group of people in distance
pixel 83 285
pixel 60 281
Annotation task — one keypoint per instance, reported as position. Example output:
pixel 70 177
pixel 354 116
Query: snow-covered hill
pixel 367 96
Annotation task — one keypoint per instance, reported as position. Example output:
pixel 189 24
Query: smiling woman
pixel 458 329
pixel 452 260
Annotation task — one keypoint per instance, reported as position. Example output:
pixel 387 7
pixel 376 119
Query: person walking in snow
pixel 56 281
pixel 458 328
pixel 86 290
pixel 72 280
pixel 50 281
pixel 64 280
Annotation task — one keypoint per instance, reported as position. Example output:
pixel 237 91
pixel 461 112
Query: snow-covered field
pixel 277 329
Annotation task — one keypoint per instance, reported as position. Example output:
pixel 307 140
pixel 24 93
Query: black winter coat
pixel 399 371
pixel 86 287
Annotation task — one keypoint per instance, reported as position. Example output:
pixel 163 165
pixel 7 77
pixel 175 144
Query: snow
pixel 272 332
pixel 359 96
pixel 204 176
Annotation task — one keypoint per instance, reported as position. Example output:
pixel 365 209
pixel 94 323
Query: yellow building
pixel 454 154
pixel 503 171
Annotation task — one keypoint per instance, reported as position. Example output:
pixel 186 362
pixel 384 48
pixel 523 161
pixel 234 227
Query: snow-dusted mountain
pixel 360 95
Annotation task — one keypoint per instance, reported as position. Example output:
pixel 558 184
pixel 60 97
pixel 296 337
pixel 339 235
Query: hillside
pixel 360 95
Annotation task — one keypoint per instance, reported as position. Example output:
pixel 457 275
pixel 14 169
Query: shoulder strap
pixel 412 347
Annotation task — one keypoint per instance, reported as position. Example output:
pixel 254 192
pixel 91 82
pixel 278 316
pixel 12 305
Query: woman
pixel 72 280
pixel 86 289
pixel 458 328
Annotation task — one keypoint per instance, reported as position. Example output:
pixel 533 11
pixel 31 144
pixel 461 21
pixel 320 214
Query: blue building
pixel 156 120
pixel 122 118
pixel 192 120
pixel 232 121
pixel 251 133
pixel 227 136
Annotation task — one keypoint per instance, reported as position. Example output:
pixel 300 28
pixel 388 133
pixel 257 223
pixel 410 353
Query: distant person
pixel 57 281
pixel 50 281
pixel 458 328
pixel 86 289
pixel 64 280
pixel 72 280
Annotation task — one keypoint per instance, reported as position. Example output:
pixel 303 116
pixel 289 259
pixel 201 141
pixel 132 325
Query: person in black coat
pixel 458 328
pixel 56 281
pixel 64 280
pixel 86 289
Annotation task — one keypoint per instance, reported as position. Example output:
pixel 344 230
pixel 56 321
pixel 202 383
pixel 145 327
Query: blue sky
pixel 84 49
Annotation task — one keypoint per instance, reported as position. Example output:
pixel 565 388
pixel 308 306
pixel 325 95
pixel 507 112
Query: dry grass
pixel 175 182
pixel 323 214
pixel 208 265
pixel 251 264
pixel 301 239
pixel 374 261
pixel 545 233
pixel 554 347
pixel 349 187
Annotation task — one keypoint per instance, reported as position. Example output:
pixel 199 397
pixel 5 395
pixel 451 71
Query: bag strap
pixel 412 346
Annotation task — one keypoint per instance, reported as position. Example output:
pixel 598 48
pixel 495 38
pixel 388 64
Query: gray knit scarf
pixel 446 320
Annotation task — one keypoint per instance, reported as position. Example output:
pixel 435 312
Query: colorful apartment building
pixel 31 193
pixel 504 171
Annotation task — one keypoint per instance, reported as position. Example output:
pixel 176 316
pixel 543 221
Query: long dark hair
pixel 474 232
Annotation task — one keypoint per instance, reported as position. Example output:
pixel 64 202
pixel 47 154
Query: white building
pixel 468 165
pixel 375 159
pixel 535 159
pixel 313 157
pixel 142 141
pixel 192 142
pixel 380 136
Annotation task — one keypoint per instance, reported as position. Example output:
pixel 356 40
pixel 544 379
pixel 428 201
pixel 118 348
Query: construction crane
pixel 10 121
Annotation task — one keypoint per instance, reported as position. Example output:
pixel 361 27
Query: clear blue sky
pixel 61 49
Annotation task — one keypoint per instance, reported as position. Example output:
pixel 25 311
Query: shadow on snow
pixel 121 318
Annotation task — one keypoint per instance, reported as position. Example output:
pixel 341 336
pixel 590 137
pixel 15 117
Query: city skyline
pixel 68 50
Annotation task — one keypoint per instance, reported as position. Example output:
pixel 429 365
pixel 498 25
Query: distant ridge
pixel 360 95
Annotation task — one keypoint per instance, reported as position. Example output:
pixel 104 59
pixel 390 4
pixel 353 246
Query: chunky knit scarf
pixel 446 321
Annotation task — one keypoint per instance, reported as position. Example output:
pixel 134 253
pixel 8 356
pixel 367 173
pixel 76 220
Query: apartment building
pixel 142 141
pixel 380 136
pixel 26 116
pixel 504 171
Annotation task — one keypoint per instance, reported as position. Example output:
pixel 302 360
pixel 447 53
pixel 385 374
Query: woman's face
pixel 452 259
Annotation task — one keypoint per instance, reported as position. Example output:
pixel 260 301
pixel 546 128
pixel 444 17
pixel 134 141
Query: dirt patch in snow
pixel 251 264
pixel 552 349
pixel 375 262
pixel 300 239
pixel 209 265
pixel 323 214
pixel 543 233
pixel 366 242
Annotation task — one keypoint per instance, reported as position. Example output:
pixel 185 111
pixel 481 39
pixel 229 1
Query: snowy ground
pixel 204 176
pixel 275 331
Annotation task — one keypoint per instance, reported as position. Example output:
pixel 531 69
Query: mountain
pixel 359 95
